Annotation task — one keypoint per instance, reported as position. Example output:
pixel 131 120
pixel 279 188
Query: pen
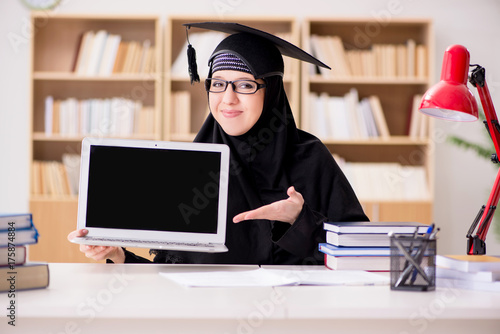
pixel 413 264
pixel 433 235
pixel 425 244
pixel 415 234
pixel 415 259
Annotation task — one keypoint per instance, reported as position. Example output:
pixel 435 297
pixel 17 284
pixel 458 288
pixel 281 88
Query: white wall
pixel 463 181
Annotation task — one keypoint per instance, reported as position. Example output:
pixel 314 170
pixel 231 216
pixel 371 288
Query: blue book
pixel 19 221
pixel 330 249
pixel 19 237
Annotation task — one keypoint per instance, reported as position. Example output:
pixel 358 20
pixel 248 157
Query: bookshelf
pixel 393 62
pixel 182 126
pixel 164 92
pixel 103 91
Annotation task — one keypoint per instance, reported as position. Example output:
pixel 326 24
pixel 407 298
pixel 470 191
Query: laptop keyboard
pixel 159 243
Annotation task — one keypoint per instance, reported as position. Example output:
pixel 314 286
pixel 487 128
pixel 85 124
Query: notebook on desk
pixel 152 194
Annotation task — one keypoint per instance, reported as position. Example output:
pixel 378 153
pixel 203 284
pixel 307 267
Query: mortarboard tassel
pixel 192 66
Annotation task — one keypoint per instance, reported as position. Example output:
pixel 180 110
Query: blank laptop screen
pixel 153 189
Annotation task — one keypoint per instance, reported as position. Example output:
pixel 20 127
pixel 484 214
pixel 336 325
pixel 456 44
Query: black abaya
pixel 265 162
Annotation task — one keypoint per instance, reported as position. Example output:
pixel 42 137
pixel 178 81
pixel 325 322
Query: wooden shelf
pixel 395 93
pixel 393 140
pixel 40 136
pixel 53 198
pixel 317 79
pixel 54 53
pixel 53 57
pixel 71 76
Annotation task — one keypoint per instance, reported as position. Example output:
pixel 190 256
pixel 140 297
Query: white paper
pixel 240 278
pixel 333 277
pixel 275 277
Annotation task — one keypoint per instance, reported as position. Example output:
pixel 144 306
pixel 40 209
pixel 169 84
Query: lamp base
pixel 476 246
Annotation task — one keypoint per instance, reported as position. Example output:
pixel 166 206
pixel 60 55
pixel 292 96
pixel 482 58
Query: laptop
pixel 153 194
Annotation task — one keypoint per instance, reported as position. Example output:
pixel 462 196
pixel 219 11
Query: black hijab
pixel 272 156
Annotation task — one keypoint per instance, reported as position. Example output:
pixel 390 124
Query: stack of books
pixel 362 245
pixel 403 60
pixel 473 272
pixel 56 178
pixel 16 233
pixel 101 53
pixel 346 117
pixel 114 116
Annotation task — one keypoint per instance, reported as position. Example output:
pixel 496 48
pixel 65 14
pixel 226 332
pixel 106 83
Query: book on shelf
pixel 96 50
pixel 367 263
pixel 418 123
pixel 421 61
pixel 49 115
pixel 319 51
pixel 14 255
pixel 375 227
pixel 31 275
pixel 15 220
pixel 83 51
pixel 346 117
pixel 469 263
pixel 408 60
pixel 386 181
pixel 101 53
pixel 379 117
pixel 71 163
pixel 114 116
pixel 181 112
pixel 50 178
pixel 411 57
pixel 109 53
pixel 56 178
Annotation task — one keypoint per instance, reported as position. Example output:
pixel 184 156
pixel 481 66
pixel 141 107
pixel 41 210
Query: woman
pixel 283 182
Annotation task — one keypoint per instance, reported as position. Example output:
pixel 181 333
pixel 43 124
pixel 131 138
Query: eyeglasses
pixel 239 86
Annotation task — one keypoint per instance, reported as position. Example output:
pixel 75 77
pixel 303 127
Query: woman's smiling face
pixel 236 113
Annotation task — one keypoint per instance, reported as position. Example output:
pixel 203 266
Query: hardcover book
pixel 32 275
pixel 469 263
pixel 353 251
pixel 16 220
pixel 375 227
pixel 368 263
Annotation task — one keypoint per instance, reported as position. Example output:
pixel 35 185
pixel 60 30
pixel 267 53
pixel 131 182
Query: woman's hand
pixel 99 253
pixel 286 210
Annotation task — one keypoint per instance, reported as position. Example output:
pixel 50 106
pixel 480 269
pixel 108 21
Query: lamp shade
pixel 450 98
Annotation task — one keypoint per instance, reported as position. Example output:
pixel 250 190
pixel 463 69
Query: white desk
pixel 134 298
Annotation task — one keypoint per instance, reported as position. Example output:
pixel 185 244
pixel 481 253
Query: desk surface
pixel 93 298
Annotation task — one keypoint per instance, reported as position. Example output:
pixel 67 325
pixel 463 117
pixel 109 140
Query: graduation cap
pixel 260 51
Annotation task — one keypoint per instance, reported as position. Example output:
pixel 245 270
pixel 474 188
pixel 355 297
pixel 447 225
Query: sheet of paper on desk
pixel 240 278
pixel 274 277
pixel 332 277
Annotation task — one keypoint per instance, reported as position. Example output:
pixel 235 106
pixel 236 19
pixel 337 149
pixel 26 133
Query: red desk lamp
pixel 451 99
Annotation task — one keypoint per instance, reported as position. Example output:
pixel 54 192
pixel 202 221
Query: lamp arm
pixel 476 244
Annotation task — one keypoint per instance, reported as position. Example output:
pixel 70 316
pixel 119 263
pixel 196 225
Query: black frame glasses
pixel 236 85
